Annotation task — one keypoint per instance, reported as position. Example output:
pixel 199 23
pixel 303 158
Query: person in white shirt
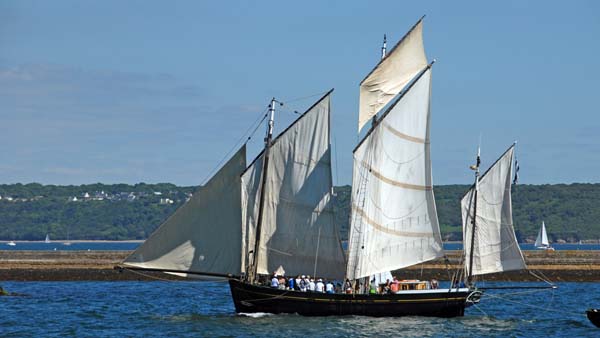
pixel 274 282
pixel 311 285
pixel 320 287
pixel 329 287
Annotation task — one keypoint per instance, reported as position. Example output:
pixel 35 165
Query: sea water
pixel 201 309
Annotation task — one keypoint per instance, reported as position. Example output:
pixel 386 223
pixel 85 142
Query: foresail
pixel 495 247
pixel 394 221
pixel 538 239
pixel 392 74
pixel 203 235
pixel 298 229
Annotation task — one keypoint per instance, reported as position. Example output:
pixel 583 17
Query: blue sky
pixel 148 91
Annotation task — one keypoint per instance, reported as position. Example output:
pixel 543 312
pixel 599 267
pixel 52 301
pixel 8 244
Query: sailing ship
pixel 67 242
pixel 47 240
pixel 541 242
pixel 249 220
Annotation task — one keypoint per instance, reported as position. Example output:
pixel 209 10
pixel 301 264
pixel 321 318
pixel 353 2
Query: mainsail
pixel 392 74
pixel 298 230
pixel 394 222
pixel 203 236
pixel 542 238
pixel 495 247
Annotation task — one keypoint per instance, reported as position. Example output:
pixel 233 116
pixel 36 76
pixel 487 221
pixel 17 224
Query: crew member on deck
pixel 373 287
pixel 320 287
pixel 348 286
pixel 394 285
pixel 329 287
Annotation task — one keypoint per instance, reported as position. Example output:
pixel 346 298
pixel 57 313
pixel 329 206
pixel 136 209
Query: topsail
pixel 392 74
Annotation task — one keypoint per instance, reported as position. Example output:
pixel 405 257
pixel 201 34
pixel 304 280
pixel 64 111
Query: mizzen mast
pixel 474 167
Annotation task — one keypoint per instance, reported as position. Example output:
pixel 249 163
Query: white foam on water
pixel 255 314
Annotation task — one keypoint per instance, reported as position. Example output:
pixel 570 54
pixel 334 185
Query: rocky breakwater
pixel 557 266
pixel 68 266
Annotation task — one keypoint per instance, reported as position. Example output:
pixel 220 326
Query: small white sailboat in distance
pixel 67 242
pixel 47 240
pixel 541 242
pixel 11 243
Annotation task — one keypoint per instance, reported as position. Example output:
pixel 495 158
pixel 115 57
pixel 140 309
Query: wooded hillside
pixel 122 211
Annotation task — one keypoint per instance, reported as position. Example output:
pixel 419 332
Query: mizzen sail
pixel 495 247
pixel 298 230
pixel 203 235
pixel 392 74
pixel 394 222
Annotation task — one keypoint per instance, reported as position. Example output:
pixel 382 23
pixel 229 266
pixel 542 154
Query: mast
pixel 383 54
pixel 476 168
pixel 384 47
pixel 252 273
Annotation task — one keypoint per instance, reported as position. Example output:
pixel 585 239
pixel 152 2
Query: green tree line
pixel 122 211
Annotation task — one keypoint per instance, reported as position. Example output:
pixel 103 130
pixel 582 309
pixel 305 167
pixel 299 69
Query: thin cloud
pixel 65 124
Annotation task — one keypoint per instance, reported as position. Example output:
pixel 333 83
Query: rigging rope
pixel 305 97
pixel 285 103
pixel 561 310
pixel 255 125
pixel 151 276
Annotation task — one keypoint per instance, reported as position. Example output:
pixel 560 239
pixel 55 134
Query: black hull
pixel 594 316
pixel 251 299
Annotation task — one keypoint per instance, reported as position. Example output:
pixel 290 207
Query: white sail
pixel 394 222
pixel 203 235
pixel 542 238
pixel 47 240
pixel 392 74
pixel 495 248
pixel 298 230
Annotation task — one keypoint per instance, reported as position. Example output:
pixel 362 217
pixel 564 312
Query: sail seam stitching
pixel 404 136
pixel 393 182
pixel 387 230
